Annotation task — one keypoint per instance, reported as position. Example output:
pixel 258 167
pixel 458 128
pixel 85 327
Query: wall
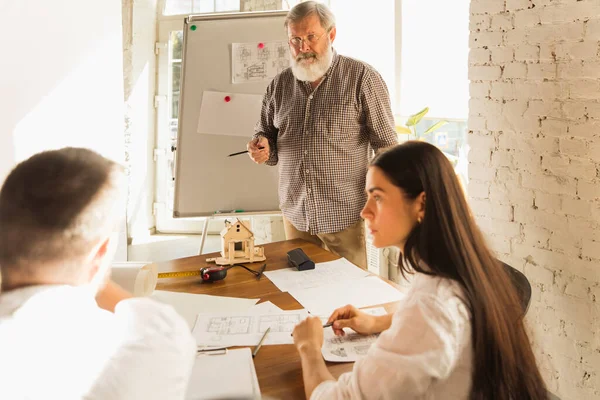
pixel 534 128
pixel 139 77
pixel 60 79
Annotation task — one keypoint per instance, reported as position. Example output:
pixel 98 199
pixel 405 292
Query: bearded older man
pixel 317 121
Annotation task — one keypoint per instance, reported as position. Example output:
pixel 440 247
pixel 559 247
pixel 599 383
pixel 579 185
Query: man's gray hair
pixel 306 8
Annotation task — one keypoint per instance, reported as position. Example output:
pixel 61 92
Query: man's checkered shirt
pixel 320 138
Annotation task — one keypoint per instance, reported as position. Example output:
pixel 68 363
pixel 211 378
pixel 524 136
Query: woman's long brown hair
pixel 449 242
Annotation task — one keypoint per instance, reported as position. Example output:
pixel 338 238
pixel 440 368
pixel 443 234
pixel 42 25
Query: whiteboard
pixel 206 180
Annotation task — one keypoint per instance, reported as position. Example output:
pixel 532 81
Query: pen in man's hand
pixel 260 343
pixel 241 152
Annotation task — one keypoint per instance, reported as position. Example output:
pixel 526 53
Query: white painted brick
pixel 480 22
pixel 586 50
pixel 588 270
pixel 585 228
pixel 507 176
pixel 527 123
pixel 502 55
pixel 485 39
pixel 479 190
pixel 541 71
pixel 554 127
pixel 476 123
pixel 579 288
pixel 590 249
pixel 481 156
pixel 572 31
pixel 565 243
pixel 577 207
pixel 539 274
pixel 593 29
pixel 578 69
pixel 578 11
pixel 479 90
pixel 501 158
pixel 526 161
pixel 484 73
pixel 504 90
pixel 515 71
pixel 502 22
pixel 526 18
pixel 523 142
pixel 515 5
pixel 536 236
pixel 547 202
pixel 540 218
pixel 488 209
pixel 582 169
pixel 550 109
pixel 481 171
pixel 510 193
pixel 486 6
pixel 515 37
pixel 574 147
pixel 479 56
pixel 499 244
pixel 481 141
pixel 584 88
pixel 588 190
pixel 592 110
pixel 527 52
pixel 548 183
pixel 595 151
pixel 484 107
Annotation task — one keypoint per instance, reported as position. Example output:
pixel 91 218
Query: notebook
pixel 228 375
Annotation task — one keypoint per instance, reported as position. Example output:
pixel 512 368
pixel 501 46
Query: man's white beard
pixel 314 71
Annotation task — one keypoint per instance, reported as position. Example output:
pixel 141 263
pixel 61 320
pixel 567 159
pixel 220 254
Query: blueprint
pixel 351 346
pixel 246 329
pixel 253 62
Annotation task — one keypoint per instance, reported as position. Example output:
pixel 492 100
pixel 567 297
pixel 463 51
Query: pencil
pixel 237 154
pixel 260 343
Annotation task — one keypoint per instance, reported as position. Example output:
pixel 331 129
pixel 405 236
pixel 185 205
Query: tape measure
pixel 179 274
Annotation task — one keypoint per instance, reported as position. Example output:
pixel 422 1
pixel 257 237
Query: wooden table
pixel 277 366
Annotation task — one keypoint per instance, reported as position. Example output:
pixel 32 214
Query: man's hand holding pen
pixel 258 149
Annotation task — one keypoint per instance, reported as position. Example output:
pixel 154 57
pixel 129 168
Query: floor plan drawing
pixel 246 330
pixel 258 61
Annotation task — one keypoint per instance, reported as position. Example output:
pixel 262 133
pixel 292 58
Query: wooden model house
pixel 237 245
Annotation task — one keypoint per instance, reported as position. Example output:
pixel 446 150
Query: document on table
pixel 350 347
pixel 289 279
pixel 230 375
pixel 246 329
pixel 364 292
pixel 264 308
pixel 188 305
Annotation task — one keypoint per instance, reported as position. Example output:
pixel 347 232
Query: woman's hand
pixel 359 321
pixel 308 334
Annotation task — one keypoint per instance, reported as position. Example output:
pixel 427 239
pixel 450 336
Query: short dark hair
pixel 54 206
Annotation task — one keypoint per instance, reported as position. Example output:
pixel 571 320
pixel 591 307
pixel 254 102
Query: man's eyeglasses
pixel 311 39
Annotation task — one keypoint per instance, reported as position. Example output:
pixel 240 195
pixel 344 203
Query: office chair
pixel 522 285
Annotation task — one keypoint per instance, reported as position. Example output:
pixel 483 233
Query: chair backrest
pixel 521 284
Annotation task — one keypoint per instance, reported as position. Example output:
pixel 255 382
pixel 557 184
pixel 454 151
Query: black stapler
pixel 298 259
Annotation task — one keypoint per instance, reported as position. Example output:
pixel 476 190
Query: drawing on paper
pixel 258 61
pixel 349 347
pixel 341 352
pixel 278 323
pixel 229 325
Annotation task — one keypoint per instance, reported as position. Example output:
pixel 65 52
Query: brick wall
pixel 534 131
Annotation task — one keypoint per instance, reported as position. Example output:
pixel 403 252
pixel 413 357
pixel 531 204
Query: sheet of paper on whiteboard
pixel 231 114
pixel 258 61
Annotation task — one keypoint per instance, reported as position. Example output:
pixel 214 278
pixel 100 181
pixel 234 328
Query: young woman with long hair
pixel 459 332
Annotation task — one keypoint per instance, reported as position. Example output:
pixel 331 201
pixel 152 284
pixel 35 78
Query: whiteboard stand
pixel 234 215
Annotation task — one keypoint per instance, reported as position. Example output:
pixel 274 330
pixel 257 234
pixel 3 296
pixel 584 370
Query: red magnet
pixel 227 99
pixel 261 45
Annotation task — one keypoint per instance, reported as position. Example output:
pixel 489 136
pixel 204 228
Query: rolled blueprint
pixel 138 278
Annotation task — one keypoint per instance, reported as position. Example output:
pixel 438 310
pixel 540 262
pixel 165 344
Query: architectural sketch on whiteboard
pixel 258 61
pixel 260 5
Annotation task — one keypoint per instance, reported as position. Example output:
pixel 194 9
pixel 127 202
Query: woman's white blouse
pixel 425 354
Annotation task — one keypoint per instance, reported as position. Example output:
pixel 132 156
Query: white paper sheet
pixel 235 117
pixel 189 305
pixel 289 279
pixel 258 61
pixel 364 292
pixel 350 347
pixel 138 278
pixel 224 376
pixel 264 308
pixel 239 329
